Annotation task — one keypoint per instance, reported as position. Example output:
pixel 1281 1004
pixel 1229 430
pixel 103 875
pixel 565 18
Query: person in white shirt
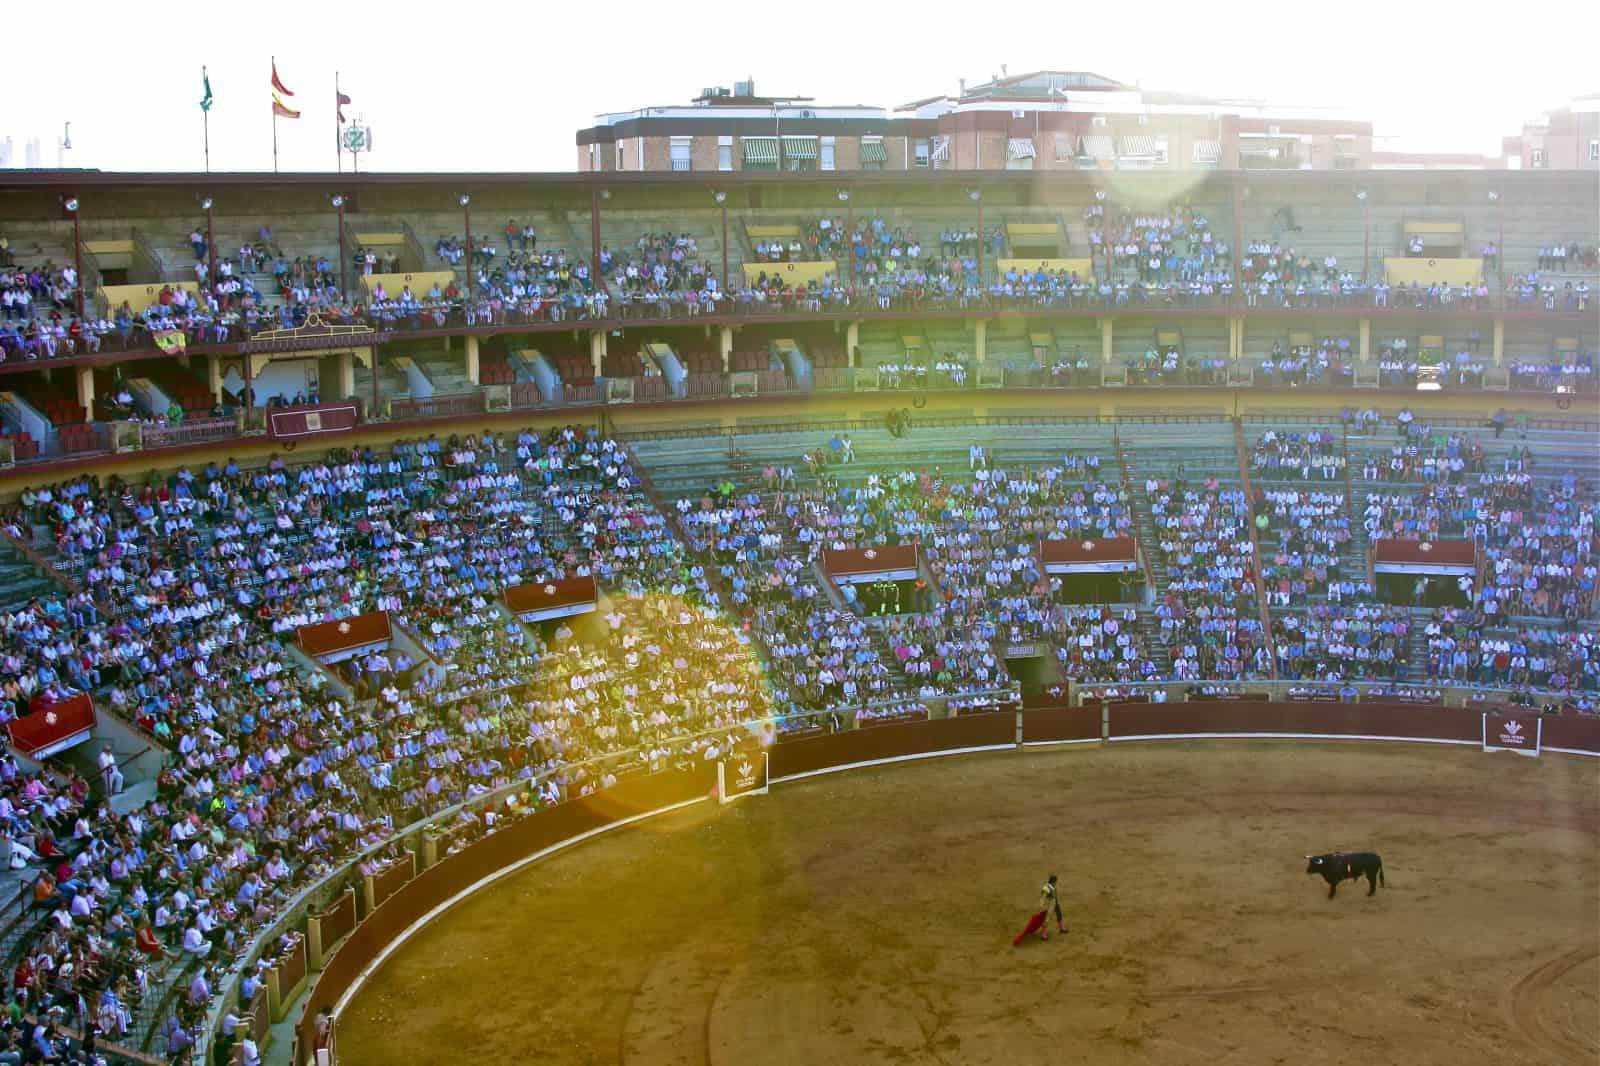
pixel 195 943
pixel 110 776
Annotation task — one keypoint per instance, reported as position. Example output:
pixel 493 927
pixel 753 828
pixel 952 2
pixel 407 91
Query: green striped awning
pixel 873 152
pixel 800 148
pixel 761 150
pixel 1097 147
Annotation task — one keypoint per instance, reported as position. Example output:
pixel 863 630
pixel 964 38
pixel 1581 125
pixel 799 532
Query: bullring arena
pixel 867 917
pixel 379 649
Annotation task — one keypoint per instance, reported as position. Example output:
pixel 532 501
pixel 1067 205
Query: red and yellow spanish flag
pixel 171 341
pixel 279 91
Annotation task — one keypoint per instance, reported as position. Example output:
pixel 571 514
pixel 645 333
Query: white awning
pixel 1020 148
pixel 1207 151
pixel 1064 146
pixel 941 149
pixel 761 150
pixel 1098 147
pixel 1138 147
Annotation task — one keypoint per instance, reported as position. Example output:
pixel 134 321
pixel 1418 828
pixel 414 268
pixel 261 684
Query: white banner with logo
pixel 1505 733
pixel 743 775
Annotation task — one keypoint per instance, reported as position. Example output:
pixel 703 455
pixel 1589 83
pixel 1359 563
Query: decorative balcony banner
pixel 1092 555
pixel 332 642
pixel 1448 558
pixel 293 423
pixel 553 599
pixel 49 728
pixel 851 566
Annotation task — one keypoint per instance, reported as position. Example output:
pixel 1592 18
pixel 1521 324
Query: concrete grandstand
pixel 358 518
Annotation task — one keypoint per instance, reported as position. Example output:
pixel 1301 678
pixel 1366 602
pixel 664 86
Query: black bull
pixel 1347 866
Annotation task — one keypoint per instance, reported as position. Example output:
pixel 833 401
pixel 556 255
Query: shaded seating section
pixel 83 437
pixel 703 367
pixel 826 355
pixel 770 374
pixel 748 359
pixel 622 364
pixel 648 384
pixel 494 368
pixel 189 391
pixel 23 446
pixel 55 400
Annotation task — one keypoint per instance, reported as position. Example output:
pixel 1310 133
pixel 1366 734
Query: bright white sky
pixel 508 90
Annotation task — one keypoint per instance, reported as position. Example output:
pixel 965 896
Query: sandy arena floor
pixel 867 916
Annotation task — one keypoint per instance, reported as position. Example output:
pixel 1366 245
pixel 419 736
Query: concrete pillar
pixel 1365 350
pixel 472 360
pixel 86 391
pixel 597 349
pixel 347 375
pixel 214 376
pixel 314 945
pixel 1107 340
pixel 980 339
pixel 1499 342
pixel 725 347
pixel 852 339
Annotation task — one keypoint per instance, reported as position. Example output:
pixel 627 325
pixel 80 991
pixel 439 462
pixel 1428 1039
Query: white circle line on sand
pixel 415 927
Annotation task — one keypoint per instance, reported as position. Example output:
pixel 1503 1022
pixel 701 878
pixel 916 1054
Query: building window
pixel 1160 153
pixel 680 153
pixel 827 153
pixel 1144 120
pixel 724 153
pixel 1098 120
pixel 873 153
pixel 800 153
pixel 1538 157
pixel 919 153
pixel 1594 151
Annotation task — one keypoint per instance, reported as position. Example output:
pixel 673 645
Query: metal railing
pixel 1451 695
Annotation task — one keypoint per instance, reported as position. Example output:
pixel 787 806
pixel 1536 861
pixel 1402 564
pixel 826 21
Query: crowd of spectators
pixel 1208 608
pixel 1325 363
pixel 192 583
pixel 1302 537
pixel 1327 642
pixel 1176 245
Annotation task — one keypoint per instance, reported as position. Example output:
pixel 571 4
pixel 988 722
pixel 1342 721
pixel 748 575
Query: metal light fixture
pixel 71 204
pixel 719 196
pixel 464 199
pixel 1099 194
pixel 338 201
pixel 844 196
pixel 974 195
pixel 205 203
pixel 1494 195
pixel 605 194
pixel 1361 194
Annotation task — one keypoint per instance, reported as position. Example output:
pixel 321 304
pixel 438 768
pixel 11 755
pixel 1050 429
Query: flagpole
pixel 338 155
pixel 205 114
pixel 274 120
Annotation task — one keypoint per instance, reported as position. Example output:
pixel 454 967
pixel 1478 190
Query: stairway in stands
pixel 21 580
